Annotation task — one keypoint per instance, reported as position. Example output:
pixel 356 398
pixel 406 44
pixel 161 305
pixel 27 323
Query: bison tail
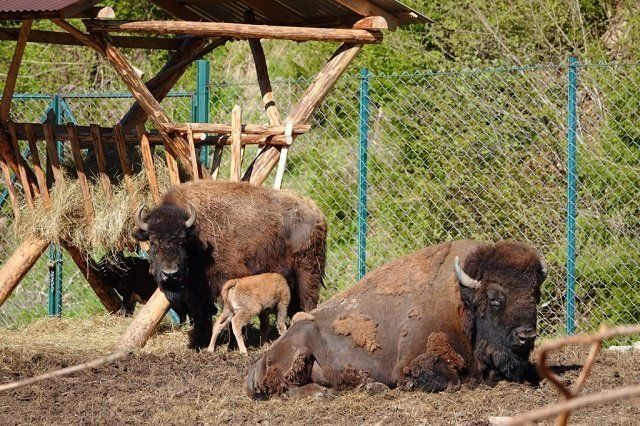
pixel 224 293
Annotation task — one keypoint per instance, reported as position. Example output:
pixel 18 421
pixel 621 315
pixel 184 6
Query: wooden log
pixel 12 73
pixel 8 156
pixel 82 177
pixel 11 189
pixel 125 165
pixel 172 166
pixel 107 295
pixel 282 161
pixel 262 74
pixel 238 31
pixel 215 163
pixel 52 152
pixel 225 129
pixel 20 262
pixel 367 8
pixel 372 23
pixel 236 147
pixel 22 172
pixel 145 322
pixel 160 85
pixel 177 146
pixel 147 163
pixel 322 84
pixel 37 166
pixel 192 149
pixel 66 39
pixel 105 182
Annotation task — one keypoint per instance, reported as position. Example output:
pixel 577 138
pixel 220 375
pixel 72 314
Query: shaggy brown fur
pixel 240 230
pixel 243 298
pixel 430 331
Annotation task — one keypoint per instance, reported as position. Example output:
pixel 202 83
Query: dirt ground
pixel 165 383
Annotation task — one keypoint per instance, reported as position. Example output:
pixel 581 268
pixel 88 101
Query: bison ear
pixel 141 235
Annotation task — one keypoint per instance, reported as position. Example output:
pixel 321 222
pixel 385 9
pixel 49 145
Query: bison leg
pixel 221 323
pixel 265 327
pixel 435 370
pixel 239 320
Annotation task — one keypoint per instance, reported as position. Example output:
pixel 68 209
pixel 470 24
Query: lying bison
pixel 204 233
pixel 456 312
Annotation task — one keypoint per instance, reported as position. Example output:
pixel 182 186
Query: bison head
pixel 500 288
pixel 170 231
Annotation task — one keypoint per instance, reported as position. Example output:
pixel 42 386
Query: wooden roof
pixel 312 13
pixel 45 9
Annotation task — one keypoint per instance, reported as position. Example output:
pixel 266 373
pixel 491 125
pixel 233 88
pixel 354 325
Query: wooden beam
pixel 160 85
pixel 125 165
pixel 66 39
pixel 273 11
pixel 8 156
pixel 20 262
pixel 11 189
pixel 105 292
pixel 147 163
pixel 37 166
pixel 238 31
pixel 176 145
pixel 12 73
pixel 262 74
pixel 366 8
pixel 52 152
pixel 322 84
pixel 145 322
pixel 225 129
pixel 22 171
pixel 372 23
pixel 82 177
pixel 192 149
pixel 216 161
pixel 236 148
pixel 271 136
pixel 105 182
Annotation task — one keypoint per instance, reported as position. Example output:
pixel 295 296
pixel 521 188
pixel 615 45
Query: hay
pixel 110 231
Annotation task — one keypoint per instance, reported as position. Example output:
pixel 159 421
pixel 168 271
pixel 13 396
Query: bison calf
pixel 243 298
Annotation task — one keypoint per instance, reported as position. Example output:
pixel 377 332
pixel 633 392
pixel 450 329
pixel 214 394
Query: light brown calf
pixel 245 297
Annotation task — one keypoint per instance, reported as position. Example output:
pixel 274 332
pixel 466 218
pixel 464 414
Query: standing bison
pixel 456 312
pixel 205 233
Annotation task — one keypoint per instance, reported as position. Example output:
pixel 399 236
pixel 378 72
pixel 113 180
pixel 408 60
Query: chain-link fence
pixel 484 154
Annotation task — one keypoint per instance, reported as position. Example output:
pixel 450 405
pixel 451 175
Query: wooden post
pixel 282 162
pixel 267 159
pixel 22 172
pixel 124 163
pixel 52 152
pixel 145 322
pixel 20 262
pixel 105 293
pixel 37 166
pixel 102 167
pixel 12 73
pixel 82 177
pixel 192 152
pixel 172 166
pixel 236 147
pixel 11 189
pixel 147 162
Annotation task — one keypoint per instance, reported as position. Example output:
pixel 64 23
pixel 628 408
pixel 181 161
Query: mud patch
pixel 438 345
pixel 361 328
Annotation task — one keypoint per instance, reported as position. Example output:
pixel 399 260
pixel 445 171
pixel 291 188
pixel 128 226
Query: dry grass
pixel 112 226
pixel 166 383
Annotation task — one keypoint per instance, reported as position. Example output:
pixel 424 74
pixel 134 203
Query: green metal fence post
pixel 200 101
pixel 362 172
pixel 55 255
pixel 572 181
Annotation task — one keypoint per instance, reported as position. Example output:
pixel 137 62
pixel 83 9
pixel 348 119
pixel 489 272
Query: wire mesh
pixel 476 154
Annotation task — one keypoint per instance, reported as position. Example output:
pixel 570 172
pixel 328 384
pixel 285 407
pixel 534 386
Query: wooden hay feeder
pixel 202 26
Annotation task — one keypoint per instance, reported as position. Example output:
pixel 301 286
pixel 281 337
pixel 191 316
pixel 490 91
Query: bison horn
pixel 463 278
pixel 192 217
pixel 140 223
